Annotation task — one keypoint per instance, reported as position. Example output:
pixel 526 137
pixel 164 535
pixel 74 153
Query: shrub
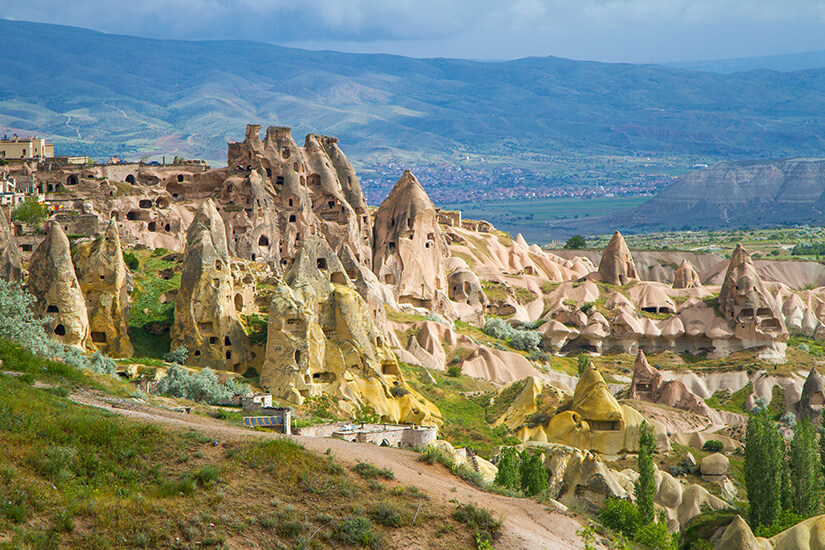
pixel 386 514
pixel 509 469
pixel 454 371
pixel 498 328
pixel 713 446
pixel 357 530
pixel 31 212
pixel 525 340
pixel 655 536
pixel 533 474
pixel 586 307
pixel 759 405
pixel 202 386
pixel 531 325
pixel 370 471
pixel 789 419
pixel 479 519
pixel 398 391
pixel 621 516
pixel 178 355
pixel 131 261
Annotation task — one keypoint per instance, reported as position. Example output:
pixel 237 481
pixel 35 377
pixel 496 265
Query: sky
pixel 634 31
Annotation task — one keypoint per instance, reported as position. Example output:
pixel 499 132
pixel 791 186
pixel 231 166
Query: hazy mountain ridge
pixel 189 98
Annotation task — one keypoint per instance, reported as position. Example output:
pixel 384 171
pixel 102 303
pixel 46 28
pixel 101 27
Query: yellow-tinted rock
pixel 323 342
pixel 106 284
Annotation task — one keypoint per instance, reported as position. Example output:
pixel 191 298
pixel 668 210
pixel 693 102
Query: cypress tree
pixel 645 488
pixel 533 474
pixel 764 458
pixel 509 474
pixel 805 470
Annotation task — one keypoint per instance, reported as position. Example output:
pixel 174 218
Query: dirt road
pixel 528 525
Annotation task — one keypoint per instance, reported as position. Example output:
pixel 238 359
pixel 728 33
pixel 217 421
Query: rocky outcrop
pixel 106 285
pixel 648 384
pixel 289 193
pixel 686 276
pixel 812 400
pixel 594 421
pixel 745 301
pixel 617 266
pixel 322 344
pixel 10 264
pixel 409 246
pixel 206 322
pixel 53 283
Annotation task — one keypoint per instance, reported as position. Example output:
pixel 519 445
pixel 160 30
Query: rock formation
pixel 593 421
pixel 10 263
pixel 812 400
pixel 289 193
pixel 686 276
pixel 649 385
pixel 617 266
pixel 322 343
pixel 53 283
pixel 206 322
pixel 745 301
pixel 409 246
pixel 106 285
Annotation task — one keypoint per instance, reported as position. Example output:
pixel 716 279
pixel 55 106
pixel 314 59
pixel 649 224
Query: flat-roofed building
pixel 25 148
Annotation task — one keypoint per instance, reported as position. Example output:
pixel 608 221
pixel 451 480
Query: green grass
pixel 149 319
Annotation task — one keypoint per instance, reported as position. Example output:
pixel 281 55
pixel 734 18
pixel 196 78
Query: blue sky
pixel 603 30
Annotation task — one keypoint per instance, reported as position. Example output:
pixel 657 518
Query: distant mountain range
pixel 109 94
pixel 784 63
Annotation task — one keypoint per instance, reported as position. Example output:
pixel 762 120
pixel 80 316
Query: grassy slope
pixel 71 476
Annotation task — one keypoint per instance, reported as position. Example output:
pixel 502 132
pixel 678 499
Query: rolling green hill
pixel 119 94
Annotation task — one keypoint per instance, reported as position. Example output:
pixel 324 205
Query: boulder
pixel 714 466
pixel 53 282
pixel 738 536
pixel 206 321
pixel 106 284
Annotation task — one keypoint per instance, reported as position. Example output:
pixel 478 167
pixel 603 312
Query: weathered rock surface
pixel 106 285
pixel 686 276
pixel 409 246
pixel 323 343
pixel 812 400
pixel 53 282
pixel 617 266
pixel 11 266
pixel 206 321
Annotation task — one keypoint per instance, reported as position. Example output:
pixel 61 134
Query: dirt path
pixel 528 525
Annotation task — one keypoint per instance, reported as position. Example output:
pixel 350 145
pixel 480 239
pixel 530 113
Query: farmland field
pixel 534 218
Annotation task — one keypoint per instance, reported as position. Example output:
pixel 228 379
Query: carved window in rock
pixel 130 179
pixel 279 180
pixel 99 337
pixel 391 246
pixel 321 263
pixel 292 324
pixel 338 278
pixel 238 303
pixel 269 172
pixel 205 327
pixel 227 341
pixel 292 218
pixel 817 399
pixel 152 226
pixel 764 312
pixel 52 309
pixel 60 330
pixel 213 340
pixel 643 387
pixel 145 203
pixel 263 240
pixel 323 377
pixel 285 152
pixel 389 278
pixel 180 177
pixel 604 426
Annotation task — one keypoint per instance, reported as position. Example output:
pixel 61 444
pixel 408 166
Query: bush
pixel 454 371
pixel 713 446
pixel 498 328
pixel 131 261
pixel 386 514
pixel 31 212
pixel 202 386
pixel 655 536
pixel 760 405
pixel 398 391
pixel 525 340
pixel 789 419
pixel 621 516
pixel 177 355
pixel 357 530
pixel 370 471
pixel 480 520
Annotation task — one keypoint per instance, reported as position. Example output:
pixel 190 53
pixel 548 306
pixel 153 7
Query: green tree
pixel 533 474
pixel 764 458
pixel 582 363
pixel 30 212
pixel 576 242
pixel 509 469
pixel 805 470
pixel 645 487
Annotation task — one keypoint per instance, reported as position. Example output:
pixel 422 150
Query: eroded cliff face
pixel 52 281
pixel 323 344
pixel 11 267
pixel 206 321
pixel 106 285
pixel 409 245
